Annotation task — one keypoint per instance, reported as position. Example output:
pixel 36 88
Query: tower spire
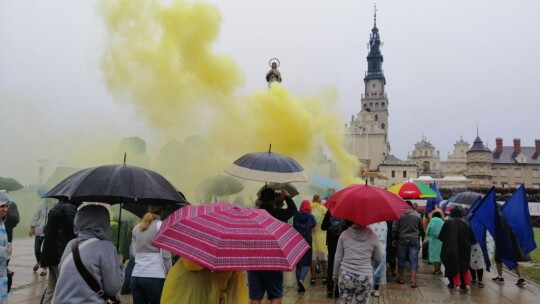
pixel 375 15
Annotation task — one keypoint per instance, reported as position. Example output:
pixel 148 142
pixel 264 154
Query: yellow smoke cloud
pixel 160 58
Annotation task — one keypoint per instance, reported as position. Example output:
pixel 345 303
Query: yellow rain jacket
pixel 189 283
pixel 319 235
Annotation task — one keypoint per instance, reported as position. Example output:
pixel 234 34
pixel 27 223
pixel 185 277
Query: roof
pixel 478 146
pixel 506 156
pixel 391 160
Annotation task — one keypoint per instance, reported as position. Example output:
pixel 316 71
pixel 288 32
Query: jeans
pixel 38 241
pixel 146 290
pixel 408 251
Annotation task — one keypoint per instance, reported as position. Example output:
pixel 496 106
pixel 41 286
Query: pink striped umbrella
pixel 223 236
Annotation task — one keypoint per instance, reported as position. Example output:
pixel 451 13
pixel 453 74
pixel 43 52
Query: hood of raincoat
pixel 92 221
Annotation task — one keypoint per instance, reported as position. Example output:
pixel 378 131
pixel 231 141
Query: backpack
pixel 336 225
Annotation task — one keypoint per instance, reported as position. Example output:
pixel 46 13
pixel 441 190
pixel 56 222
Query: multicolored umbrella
pixel 364 204
pixel 223 237
pixel 268 167
pixel 412 190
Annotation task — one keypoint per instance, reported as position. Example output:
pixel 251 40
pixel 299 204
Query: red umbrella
pixel 364 204
pixel 224 236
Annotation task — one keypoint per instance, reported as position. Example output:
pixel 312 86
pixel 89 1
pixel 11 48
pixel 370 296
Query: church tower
pixel 368 131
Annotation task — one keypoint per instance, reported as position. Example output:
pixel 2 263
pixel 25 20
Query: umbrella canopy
pixel 268 167
pixel 139 209
pixel 364 204
pixel 412 190
pixel 220 185
pixel 224 237
pixel 465 198
pixel 280 186
pixel 9 184
pixel 115 184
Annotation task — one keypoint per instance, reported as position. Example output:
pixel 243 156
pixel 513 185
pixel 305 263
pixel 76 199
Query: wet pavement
pixel 29 286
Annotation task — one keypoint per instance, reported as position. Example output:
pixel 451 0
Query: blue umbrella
pixel 268 167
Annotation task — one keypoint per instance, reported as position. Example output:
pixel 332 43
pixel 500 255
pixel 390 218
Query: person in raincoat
pixel 5 250
pixel 98 255
pixel 457 238
pixel 304 222
pixel 320 251
pixel 189 283
pixel 434 249
pixel 379 268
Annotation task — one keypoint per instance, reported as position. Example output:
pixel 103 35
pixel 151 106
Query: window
pixel 517 172
pixel 393 173
pixel 383 126
pixel 493 172
pixel 536 186
pixel 503 172
pixel 481 182
pixel 481 169
pixel 473 169
pixel 535 173
pixel 404 174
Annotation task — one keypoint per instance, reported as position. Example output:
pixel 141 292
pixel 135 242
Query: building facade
pixel 426 158
pixel 479 164
pixel 367 133
pixel 456 163
pixel 514 165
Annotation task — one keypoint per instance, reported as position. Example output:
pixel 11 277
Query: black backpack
pixel 336 225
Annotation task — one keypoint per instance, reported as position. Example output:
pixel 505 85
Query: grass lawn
pixel 531 271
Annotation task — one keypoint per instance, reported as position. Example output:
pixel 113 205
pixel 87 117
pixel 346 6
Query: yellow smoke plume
pixel 159 57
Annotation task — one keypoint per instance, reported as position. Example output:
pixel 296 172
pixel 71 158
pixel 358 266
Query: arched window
pixel 425 167
pixel 376 117
pixel 382 105
pixel 383 126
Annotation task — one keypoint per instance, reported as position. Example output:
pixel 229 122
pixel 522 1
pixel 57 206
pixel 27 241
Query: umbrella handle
pixel 119 226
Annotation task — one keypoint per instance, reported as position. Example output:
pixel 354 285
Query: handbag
pixel 88 278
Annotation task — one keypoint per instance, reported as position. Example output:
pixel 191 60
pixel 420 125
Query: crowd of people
pixel 73 247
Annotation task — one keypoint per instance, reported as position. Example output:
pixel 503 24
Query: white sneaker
pixel 375 293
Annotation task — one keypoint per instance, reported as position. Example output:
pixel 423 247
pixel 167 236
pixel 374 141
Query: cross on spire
pixel 375 15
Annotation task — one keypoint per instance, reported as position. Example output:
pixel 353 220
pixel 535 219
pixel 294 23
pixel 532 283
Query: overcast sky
pixel 449 65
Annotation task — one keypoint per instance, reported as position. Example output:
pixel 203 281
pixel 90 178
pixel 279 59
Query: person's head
pixel 436 213
pixel 316 198
pixel 457 211
pixel 305 207
pixel 356 226
pixel 409 203
pixel 4 206
pixel 267 196
pixel 414 206
pixel 274 65
pixel 153 212
pixel 92 221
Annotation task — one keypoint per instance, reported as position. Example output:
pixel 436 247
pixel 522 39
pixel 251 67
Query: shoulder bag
pixel 88 278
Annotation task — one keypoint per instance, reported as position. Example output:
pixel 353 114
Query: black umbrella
pixel 116 184
pixel 9 184
pixel 140 209
pixel 220 185
pixel 465 198
pixel 281 186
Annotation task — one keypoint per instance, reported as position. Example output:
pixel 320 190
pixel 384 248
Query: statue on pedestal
pixel 273 74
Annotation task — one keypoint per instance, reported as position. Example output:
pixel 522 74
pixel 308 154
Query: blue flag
pixel 487 214
pixel 516 212
pixel 433 201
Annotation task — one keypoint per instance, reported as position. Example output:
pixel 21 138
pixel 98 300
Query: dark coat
pixel 58 232
pixel 281 214
pixel 304 224
pixel 332 239
pixel 457 237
